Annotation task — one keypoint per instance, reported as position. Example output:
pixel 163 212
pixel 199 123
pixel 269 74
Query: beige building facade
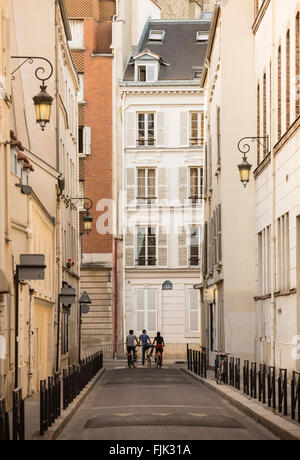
pixel 228 316
pixel 40 180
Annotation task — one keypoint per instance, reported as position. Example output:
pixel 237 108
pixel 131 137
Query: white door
pixel 146 310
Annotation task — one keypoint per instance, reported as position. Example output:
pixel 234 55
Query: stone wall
pixel 180 9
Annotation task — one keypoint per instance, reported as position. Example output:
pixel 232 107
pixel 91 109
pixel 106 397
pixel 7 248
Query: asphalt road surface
pixel 157 404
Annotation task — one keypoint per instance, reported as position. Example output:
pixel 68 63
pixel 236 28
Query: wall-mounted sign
pixel 167 286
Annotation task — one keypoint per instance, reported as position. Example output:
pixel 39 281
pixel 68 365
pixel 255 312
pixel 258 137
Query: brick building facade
pixel 91 26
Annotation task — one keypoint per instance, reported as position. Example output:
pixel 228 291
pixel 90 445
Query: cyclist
pixel 160 343
pixel 131 338
pixel 146 344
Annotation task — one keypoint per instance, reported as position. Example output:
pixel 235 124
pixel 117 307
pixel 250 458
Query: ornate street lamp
pixel 84 303
pixel 245 167
pixel 87 218
pixel 42 101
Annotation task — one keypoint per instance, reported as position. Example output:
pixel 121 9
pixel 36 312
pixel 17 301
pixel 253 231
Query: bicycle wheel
pixel 148 361
pixel 158 362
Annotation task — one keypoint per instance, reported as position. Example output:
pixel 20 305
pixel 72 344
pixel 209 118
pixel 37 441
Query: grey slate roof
pixel 179 49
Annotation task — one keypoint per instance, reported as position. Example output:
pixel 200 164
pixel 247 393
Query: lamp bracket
pixel 87 205
pixel 40 70
pixel 245 148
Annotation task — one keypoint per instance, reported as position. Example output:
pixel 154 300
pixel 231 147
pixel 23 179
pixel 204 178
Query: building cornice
pixel 260 15
pixel 126 90
pixel 278 147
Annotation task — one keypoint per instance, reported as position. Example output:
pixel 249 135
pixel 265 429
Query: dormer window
pixel 146 72
pixel 202 36
pixel 156 35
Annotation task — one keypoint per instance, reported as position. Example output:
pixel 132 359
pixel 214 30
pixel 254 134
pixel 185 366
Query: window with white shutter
pixel 146 310
pixel 80 96
pixel 162 243
pixel 196 129
pixel 146 185
pixel 87 138
pixel 77 31
pixel 182 248
pixel 196 184
pixel 160 129
pixel 194 246
pixel 129 249
pixel 162 184
pixel 146 240
pixel 146 129
pixel 193 313
pixel 183 184
pixel 184 129
pixel 130 186
pixel 130 129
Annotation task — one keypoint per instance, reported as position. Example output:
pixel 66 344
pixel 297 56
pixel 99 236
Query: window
pixel 288 80
pixel 81 195
pixel 145 129
pixel 77 30
pixel 297 47
pixel 156 35
pixel 258 123
pixel 146 72
pixel 197 129
pixel 80 139
pixel 146 309
pixel 264 261
pixel 196 184
pixel 202 36
pixel 81 88
pixel 146 185
pixel 193 311
pixel 283 253
pixel 194 246
pixel 65 331
pixel 146 246
pixel 279 92
pixel 265 112
pixel 13 161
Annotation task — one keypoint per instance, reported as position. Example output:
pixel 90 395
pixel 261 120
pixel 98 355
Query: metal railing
pixel 53 396
pixel 4 421
pixel 109 350
pixel 197 361
pixel 18 415
pixel 265 383
pixel 50 402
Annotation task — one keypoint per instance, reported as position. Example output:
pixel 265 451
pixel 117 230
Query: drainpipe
pixel 273 226
pixel 116 295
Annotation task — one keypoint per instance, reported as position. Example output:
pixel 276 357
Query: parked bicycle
pixel 221 367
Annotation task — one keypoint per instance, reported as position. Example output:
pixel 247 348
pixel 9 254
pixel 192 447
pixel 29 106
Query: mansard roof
pixel 179 48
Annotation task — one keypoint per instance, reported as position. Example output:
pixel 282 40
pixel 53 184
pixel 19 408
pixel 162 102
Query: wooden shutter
pixel 204 251
pixel 130 185
pixel 129 249
pixel 162 184
pixel 151 310
pixel 219 213
pixel 130 130
pixel 87 139
pixel 162 243
pixel 140 308
pixel 160 129
pixel 194 311
pixel 182 248
pixel 183 184
pixel 184 129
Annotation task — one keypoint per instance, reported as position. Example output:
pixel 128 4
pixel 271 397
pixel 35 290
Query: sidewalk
pixel 283 427
pixel 32 414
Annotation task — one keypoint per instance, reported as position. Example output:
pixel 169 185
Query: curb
pixel 55 430
pixel 277 425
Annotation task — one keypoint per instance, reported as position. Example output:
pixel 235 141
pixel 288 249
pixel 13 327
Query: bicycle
pixel 221 367
pixel 132 360
pixel 159 359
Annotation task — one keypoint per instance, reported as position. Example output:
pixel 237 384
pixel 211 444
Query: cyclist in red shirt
pixel 159 343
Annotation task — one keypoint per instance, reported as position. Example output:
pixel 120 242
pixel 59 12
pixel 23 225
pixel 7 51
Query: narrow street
pixel 152 404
